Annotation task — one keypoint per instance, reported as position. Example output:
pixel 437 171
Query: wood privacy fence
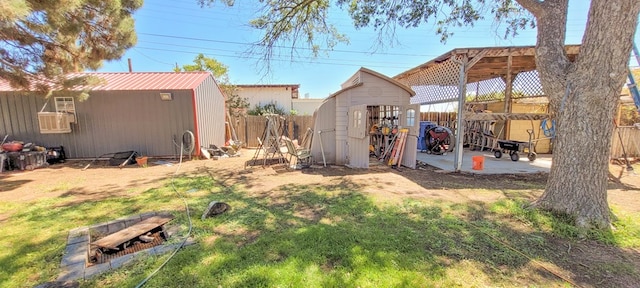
pixel 630 142
pixel 249 128
pixel 447 119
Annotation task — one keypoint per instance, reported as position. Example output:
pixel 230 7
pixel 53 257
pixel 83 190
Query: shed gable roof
pixel 124 81
pixel 378 75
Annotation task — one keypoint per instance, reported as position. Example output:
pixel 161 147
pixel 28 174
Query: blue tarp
pixel 424 126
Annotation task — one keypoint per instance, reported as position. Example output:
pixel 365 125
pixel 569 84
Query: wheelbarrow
pixel 513 147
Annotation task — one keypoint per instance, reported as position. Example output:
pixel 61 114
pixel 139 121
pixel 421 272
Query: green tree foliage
pixel 204 63
pixel 41 42
pixel 290 23
pixel 270 108
pixel 236 105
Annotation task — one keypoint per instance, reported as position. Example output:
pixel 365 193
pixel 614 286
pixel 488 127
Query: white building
pixel 262 94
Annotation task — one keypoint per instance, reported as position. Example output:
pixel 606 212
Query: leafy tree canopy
pixel 41 42
pixel 236 105
pixel 204 63
pixel 285 23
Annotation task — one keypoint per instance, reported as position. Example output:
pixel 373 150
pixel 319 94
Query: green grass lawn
pixel 323 236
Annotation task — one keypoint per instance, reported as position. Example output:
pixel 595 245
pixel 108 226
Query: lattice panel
pixel 439 84
pixel 527 84
pixel 435 84
pixel 487 90
pixel 434 94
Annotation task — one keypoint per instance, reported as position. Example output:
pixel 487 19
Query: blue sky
pixel 171 32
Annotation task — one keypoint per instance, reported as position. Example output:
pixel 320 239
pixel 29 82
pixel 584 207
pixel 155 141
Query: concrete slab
pixel 492 165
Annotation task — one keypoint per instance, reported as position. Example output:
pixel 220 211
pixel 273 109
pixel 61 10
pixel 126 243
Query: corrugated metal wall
pixel 210 110
pixel 107 122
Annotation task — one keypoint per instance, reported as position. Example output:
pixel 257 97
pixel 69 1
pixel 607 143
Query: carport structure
pixel 479 75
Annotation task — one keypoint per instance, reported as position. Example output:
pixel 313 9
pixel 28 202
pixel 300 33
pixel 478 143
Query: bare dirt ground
pixel 386 185
pixel 100 181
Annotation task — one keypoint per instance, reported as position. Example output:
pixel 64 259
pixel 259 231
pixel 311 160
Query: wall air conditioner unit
pixel 54 122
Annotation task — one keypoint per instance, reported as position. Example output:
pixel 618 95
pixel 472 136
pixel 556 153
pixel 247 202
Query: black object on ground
pixel 215 208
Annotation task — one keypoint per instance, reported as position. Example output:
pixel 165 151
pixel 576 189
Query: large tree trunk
pixel 583 95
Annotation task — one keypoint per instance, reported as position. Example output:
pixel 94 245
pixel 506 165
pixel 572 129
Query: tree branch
pixel 536 7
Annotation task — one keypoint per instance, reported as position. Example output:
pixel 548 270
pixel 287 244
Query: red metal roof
pixel 139 81
pixel 267 85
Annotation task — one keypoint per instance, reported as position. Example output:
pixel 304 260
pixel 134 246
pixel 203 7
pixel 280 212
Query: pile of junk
pixel 18 155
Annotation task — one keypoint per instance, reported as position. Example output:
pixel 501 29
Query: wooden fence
pixel 447 119
pixel 631 141
pixel 249 128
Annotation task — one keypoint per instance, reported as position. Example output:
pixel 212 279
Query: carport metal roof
pixel 488 73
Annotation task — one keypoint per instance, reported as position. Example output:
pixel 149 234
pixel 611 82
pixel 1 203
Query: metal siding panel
pixel 211 113
pixel 5 116
pixel 109 121
pixel 5 101
pixel 114 120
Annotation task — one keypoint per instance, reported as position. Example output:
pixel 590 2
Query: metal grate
pixel 99 256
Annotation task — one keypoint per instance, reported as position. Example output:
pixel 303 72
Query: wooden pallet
pixel 112 241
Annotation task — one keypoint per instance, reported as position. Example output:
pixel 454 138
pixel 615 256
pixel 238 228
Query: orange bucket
pixel 477 162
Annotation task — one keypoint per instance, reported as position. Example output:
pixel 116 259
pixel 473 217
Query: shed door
pixel 358 140
pixel 411 120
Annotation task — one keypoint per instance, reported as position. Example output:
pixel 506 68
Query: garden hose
pixel 186 205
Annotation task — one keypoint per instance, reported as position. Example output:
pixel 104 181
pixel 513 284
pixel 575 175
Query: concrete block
pixel 75 253
pixel 121 261
pixel 78 238
pixel 71 272
pixel 116 226
pixel 79 231
pixel 147 215
pixel 101 230
pixel 96 270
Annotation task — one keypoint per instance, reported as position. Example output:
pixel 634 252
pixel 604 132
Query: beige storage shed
pixel 346 123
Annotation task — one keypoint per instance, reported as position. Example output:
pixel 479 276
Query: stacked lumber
pixel 398 148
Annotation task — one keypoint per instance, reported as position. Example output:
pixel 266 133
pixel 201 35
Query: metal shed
pixel 145 112
pixel 480 75
pixel 343 122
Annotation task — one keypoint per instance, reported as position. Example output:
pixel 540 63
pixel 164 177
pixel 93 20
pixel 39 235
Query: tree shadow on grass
pixel 333 235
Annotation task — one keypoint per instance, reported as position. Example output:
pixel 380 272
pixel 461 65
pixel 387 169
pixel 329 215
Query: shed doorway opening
pixel 383 123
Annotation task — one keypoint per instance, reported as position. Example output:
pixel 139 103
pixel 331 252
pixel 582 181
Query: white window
pixel 66 105
pixel 357 119
pixel 411 117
